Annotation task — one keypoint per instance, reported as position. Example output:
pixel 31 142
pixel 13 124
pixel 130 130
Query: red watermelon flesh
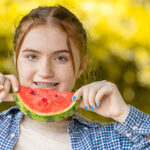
pixel 45 100
pixel 45 105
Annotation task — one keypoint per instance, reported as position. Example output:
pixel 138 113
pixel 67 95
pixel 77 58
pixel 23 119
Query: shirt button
pixel 148 138
pixel 19 115
pixel 85 128
pixel 128 134
pixel 12 135
pixel 134 128
pixel 9 116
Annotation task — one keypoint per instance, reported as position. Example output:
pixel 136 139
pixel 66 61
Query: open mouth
pixel 46 85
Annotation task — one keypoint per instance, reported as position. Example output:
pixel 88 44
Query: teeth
pixel 45 85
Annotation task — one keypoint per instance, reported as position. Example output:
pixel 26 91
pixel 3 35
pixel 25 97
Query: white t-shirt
pixel 43 136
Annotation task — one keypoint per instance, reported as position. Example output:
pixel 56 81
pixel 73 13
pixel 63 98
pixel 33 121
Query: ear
pixel 82 66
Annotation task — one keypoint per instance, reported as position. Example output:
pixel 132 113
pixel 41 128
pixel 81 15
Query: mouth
pixel 46 85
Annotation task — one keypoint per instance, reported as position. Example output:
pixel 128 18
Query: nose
pixel 46 69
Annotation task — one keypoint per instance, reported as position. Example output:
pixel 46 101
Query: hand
pixel 5 83
pixel 104 98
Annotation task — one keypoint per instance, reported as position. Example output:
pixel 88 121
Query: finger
pixel 7 85
pixel 78 93
pixel 98 85
pixel 2 81
pixel 106 90
pixel 85 98
pixel 91 98
pixel 14 81
pixel 4 93
pixel 1 87
pixel 9 97
pixel 82 105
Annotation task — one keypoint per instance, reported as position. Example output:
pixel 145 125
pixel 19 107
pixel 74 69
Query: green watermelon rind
pixel 46 118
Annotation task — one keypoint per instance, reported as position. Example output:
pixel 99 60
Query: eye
pixel 61 58
pixel 31 57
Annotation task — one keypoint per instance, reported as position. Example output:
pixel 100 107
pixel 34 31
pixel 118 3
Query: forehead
pixel 45 37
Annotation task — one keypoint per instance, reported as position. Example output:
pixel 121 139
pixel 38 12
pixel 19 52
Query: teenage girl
pixel 50 48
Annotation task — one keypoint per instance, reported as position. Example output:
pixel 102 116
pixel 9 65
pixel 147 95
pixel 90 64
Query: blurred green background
pixel 118 44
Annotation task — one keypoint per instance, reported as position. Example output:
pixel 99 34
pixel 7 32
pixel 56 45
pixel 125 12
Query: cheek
pixel 66 74
pixel 66 77
pixel 25 71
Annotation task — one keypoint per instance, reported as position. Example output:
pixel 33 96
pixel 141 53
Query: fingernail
pixel 73 98
pixel 86 108
pixel 96 105
pixel 16 89
pixel 92 108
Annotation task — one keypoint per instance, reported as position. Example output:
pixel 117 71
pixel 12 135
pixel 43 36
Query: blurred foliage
pixel 118 44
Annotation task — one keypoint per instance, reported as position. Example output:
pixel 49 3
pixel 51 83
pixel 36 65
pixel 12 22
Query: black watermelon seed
pixel 44 99
pixel 32 92
pixel 56 95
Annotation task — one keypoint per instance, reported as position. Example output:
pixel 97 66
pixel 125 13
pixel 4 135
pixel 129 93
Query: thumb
pixel 78 94
pixel 9 98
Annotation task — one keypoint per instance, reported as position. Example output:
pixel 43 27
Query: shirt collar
pixel 85 121
pixel 76 116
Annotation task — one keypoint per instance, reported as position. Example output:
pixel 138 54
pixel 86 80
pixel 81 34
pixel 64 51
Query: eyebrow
pixel 55 52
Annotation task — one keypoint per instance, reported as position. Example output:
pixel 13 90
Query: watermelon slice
pixel 45 105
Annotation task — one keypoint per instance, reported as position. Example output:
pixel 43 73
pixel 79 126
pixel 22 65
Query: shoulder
pixel 94 125
pixel 12 112
pixel 80 127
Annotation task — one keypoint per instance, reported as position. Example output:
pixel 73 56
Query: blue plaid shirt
pixel 87 135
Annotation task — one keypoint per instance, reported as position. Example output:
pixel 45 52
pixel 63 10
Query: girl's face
pixel 44 60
